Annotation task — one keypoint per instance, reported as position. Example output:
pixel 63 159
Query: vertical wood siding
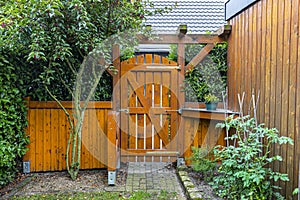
pixel 264 55
pixel 48 130
pixel 201 133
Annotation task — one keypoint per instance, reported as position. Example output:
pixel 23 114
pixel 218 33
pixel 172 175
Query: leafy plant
pixel 205 80
pixel 13 138
pixel 210 76
pixel 244 172
pixel 296 191
pixel 211 98
pixel 203 162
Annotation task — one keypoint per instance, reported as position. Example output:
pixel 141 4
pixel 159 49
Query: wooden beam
pixel 68 105
pixel 224 31
pixel 200 56
pixel 182 30
pixel 116 77
pixel 186 39
pixel 218 114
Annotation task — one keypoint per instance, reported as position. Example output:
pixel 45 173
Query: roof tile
pixel 199 15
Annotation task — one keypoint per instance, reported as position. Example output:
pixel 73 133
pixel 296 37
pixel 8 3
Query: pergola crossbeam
pixel 185 39
pixel 200 56
pixel 218 37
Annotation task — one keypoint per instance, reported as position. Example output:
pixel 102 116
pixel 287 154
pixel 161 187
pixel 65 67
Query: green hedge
pixel 13 121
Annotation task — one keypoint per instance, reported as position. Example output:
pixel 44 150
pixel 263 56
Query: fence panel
pixel 48 130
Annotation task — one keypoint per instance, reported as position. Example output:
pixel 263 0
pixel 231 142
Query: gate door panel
pixel 149 106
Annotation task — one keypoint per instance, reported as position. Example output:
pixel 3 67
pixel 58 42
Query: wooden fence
pixel 264 55
pixel 48 130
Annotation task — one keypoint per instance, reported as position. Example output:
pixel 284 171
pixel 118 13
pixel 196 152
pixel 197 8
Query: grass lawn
pixel 140 195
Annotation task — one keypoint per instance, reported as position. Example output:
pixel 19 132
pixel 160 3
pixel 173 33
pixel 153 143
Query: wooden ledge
pixel 200 113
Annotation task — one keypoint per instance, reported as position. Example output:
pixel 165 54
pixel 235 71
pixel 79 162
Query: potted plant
pixel 211 101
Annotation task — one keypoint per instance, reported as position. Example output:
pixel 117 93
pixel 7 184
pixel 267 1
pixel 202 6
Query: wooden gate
pixel 149 109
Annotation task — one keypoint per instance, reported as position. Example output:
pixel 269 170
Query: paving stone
pixel 152 177
pixel 196 196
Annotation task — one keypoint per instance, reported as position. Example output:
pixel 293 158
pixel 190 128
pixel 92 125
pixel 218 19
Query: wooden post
pixel 116 87
pixel 181 97
pixel 112 148
pixel 116 77
pixel 182 30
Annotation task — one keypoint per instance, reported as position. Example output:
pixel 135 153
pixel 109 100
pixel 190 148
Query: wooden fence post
pixel 112 147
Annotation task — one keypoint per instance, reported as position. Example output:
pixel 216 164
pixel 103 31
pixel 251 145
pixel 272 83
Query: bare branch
pixel 71 66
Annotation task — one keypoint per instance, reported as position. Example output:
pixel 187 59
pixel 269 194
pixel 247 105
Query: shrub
pixel 202 161
pixel 244 172
pixel 13 121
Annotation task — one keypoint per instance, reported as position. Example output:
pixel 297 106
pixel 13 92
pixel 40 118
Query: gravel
pixel 60 182
pixel 201 185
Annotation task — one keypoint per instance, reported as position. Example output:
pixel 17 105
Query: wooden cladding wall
pixel 201 133
pixel 264 55
pixel 48 130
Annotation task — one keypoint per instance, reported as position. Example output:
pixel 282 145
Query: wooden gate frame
pixel 180 38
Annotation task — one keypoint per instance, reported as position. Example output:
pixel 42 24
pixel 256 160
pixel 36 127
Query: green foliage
pixel 13 139
pixel 211 98
pixel 296 191
pixel 138 195
pixel 210 76
pixel 205 81
pixel 62 47
pixel 244 172
pixel 202 161
pixel 57 35
pixel 191 50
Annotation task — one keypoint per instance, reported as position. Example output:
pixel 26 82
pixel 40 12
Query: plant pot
pixel 211 106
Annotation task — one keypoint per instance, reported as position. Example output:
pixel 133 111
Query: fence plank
pixel 54 139
pixel 291 165
pixel 279 77
pixel 32 137
pixel 47 140
pixel 285 85
pixel 297 118
pixel 40 141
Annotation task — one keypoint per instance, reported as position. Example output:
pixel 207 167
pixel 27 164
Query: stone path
pixel 153 177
